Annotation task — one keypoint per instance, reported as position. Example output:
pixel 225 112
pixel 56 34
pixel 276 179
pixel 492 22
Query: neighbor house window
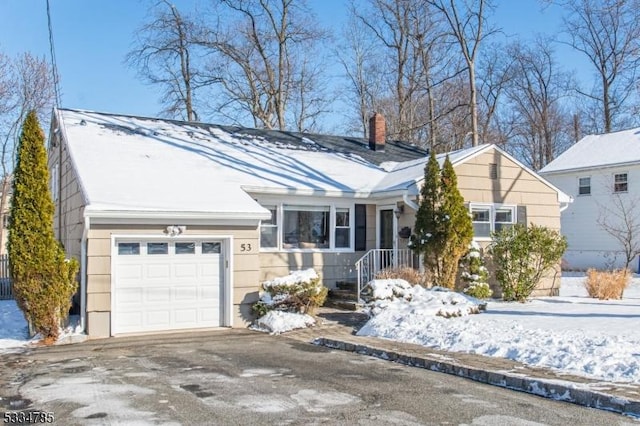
pixel 306 227
pixel 620 183
pixel 343 228
pixel 269 230
pixel 584 186
pixel 488 218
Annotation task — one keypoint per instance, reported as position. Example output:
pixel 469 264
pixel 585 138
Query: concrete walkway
pixel 338 331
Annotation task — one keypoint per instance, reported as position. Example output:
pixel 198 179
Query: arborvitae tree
pixel 43 280
pixel 443 228
pixel 456 225
pixel 428 237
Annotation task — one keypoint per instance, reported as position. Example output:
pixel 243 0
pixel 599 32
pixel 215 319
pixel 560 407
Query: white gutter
pixel 83 274
pixel 142 214
pixel 408 202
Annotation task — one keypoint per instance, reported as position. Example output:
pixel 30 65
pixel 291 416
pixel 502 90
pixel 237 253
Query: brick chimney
pixel 377 132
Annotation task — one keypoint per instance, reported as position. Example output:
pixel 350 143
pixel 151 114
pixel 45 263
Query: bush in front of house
pixel 411 275
pixel 43 280
pixel 443 228
pixel 522 255
pixel 300 292
pixel 606 285
pixel 474 273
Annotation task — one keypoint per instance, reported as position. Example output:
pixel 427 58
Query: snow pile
pixel 14 333
pixel 276 322
pixel 287 302
pixel 394 298
pixel 572 333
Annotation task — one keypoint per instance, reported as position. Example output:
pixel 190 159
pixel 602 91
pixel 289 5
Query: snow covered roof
pixel 406 175
pixel 135 165
pixel 594 151
pixel 141 164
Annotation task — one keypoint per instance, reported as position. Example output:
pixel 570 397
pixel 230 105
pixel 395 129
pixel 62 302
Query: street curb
pixel 554 389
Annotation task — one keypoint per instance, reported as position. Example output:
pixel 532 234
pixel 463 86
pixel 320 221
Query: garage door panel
pixel 186 270
pixel 158 319
pixel 159 271
pixel 129 296
pixel 187 293
pixel 157 292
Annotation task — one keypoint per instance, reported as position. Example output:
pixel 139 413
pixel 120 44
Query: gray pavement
pixel 337 332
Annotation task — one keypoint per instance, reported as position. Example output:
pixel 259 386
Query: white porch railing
pixel 375 260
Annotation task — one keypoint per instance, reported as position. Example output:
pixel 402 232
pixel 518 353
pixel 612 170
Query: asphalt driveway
pixel 243 377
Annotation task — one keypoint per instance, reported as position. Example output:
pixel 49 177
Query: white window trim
pixel 332 226
pixel 492 216
pixel 614 182
pixel 279 218
pixel 590 186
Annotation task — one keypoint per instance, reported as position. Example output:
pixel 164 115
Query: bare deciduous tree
pixel 620 219
pixel 266 56
pixel 607 32
pixel 165 54
pixel 468 27
pixel 542 127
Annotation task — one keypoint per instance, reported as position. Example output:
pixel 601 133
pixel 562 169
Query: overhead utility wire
pixel 54 67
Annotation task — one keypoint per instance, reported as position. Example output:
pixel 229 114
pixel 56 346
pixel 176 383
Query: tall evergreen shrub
pixel 443 228
pixel 43 280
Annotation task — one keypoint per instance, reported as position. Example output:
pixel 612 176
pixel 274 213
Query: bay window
pixel 307 227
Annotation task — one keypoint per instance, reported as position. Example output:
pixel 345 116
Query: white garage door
pixel 167 285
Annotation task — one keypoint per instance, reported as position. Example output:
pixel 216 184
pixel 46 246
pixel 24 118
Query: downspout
pixel 408 202
pixel 83 274
pixel 564 206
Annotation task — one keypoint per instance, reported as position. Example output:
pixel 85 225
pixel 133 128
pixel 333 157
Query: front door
pixel 386 229
pixel 386 239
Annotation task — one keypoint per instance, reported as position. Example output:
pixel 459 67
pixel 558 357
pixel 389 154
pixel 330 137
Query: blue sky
pixel 93 37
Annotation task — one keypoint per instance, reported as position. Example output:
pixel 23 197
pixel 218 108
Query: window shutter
pixel 361 227
pixel 522 215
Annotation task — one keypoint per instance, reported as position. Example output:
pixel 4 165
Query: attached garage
pixel 167 284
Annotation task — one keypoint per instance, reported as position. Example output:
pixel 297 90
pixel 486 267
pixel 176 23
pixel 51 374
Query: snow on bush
pixel 298 292
pixel 276 322
pixel 286 302
pixel 397 297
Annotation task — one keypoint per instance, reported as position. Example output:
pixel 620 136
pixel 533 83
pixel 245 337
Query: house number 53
pixel 245 247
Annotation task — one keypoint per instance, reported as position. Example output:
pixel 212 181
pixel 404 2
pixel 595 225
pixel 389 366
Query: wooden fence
pixel 6 292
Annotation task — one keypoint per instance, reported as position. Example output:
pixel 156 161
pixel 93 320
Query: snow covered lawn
pixel 572 333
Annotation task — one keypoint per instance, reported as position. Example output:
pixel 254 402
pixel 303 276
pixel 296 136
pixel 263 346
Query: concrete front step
pixel 347 285
pixel 347 305
pixel 342 294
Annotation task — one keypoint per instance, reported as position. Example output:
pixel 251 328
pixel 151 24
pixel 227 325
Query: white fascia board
pixel 159 217
pixel 306 192
pixel 573 170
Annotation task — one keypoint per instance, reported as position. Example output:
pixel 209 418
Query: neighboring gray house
pixel 602 174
